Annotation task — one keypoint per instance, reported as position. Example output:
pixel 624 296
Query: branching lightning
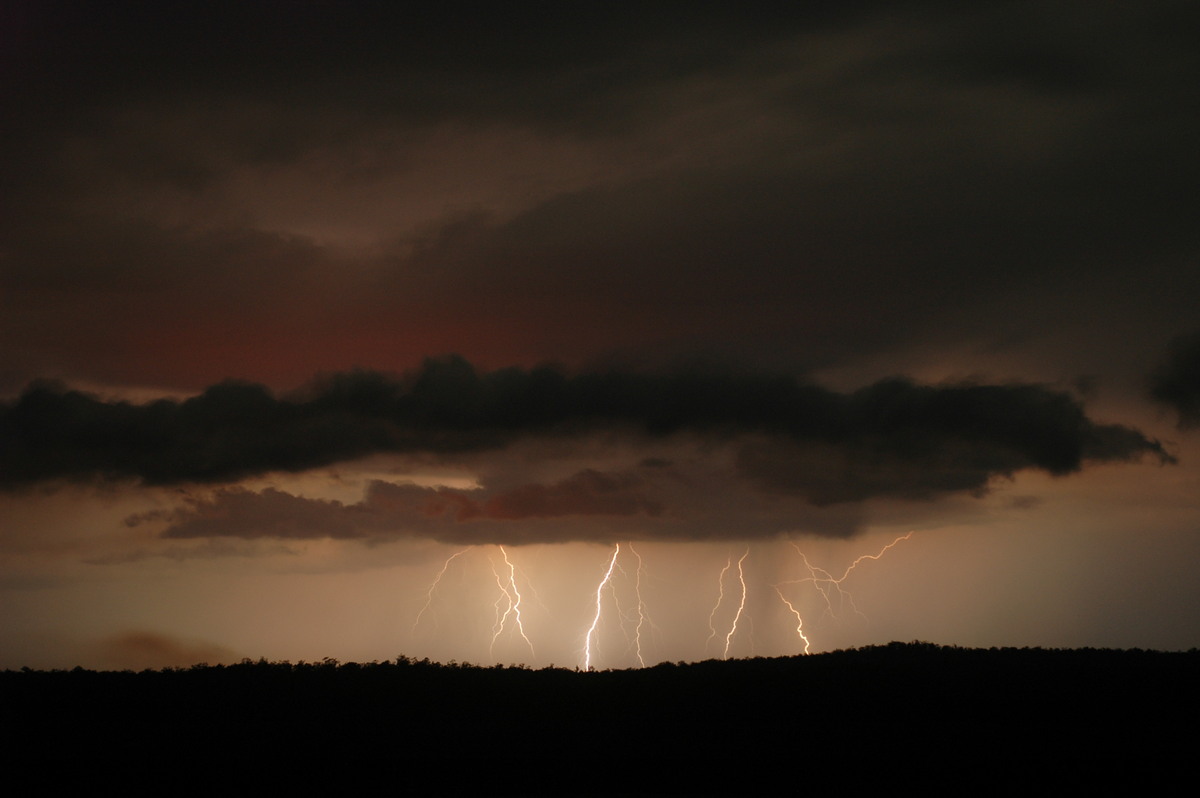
pixel 514 592
pixel 737 617
pixel 825 583
pixel 632 624
pixel 511 595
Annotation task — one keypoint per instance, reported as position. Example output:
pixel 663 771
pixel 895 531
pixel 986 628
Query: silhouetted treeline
pixel 903 714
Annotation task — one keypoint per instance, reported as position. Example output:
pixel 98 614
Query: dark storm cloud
pixel 910 441
pixel 234 430
pixel 468 58
pixel 586 493
pixel 828 183
pixel 1176 383
pixel 327 69
pixel 264 47
pixel 955 160
pixel 270 513
pixel 124 297
pixel 390 511
pixel 227 265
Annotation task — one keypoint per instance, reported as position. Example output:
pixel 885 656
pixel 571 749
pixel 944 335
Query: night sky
pixel 307 306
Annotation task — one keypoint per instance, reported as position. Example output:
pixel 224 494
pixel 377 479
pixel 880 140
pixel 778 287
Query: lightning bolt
pixel 509 593
pixel 854 564
pixel 741 605
pixel 642 617
pixel 587 643
pixel 634 618
pixel 820 579
pixel 825 583
pixel 799 620
pixel 436 581
pixel 712 627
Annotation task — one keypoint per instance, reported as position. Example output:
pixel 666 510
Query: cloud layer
pixel 392 511
pixel 792 187
pixel 960 435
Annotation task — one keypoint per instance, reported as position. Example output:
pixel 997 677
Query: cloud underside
pixel 783 437
pixel 1176 383
pixel 394 511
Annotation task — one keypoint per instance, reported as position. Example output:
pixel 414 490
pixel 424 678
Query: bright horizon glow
pixel 326 599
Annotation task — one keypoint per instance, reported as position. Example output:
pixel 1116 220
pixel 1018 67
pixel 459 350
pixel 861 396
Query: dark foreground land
pixel 897 717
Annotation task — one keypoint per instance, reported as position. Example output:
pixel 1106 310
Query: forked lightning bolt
pixel 509 602
pixel 826 582
pixel 512 595
pixel 712 626
pixel 632 625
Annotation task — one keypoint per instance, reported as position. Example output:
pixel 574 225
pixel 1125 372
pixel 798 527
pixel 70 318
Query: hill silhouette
pixel 904 715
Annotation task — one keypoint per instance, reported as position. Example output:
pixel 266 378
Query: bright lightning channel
pixel 587 643
pixel 825 583
pixel 436 581
pixel 799 619
pixel 509 592
pixel 741 605
pixel 642 617
pixel 712 628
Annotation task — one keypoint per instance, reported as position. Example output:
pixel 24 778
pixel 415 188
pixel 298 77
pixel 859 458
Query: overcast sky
pixel 299 300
